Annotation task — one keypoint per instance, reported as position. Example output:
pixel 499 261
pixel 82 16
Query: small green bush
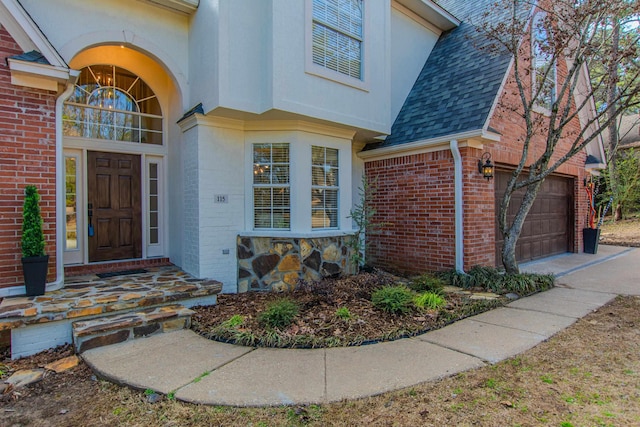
pixel 343 313
pixel 483 277
pixel 234 321
pixel 393 299
pixel 279 313
pixel 429 300
pixel 453 278
pixel 32 234
pixel 427 283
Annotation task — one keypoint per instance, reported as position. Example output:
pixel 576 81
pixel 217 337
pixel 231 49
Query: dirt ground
pixel 318 325
pixel 587 375
pixel 621 233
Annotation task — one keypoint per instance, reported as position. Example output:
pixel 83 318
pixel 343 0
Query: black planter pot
pixel 590 237
pixel 35 274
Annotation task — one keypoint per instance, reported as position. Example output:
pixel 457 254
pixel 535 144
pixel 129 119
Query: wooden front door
pixel 115 230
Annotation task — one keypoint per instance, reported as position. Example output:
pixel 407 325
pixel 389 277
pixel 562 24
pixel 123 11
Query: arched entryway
pixel 116 157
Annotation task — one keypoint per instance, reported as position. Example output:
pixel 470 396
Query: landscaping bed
pixel 340 311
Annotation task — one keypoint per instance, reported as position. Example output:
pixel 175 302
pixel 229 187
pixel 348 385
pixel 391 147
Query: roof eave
pixel 475 138
pixel 40 76
pixel 432 12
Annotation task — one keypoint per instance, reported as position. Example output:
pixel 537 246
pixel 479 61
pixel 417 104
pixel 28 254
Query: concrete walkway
pixel 197 370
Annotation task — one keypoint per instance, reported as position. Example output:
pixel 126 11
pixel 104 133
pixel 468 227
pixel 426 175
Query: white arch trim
pixel 135 42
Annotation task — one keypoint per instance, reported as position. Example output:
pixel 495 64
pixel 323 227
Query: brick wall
pixel 415 195
pixel 27 156
pixel 414 199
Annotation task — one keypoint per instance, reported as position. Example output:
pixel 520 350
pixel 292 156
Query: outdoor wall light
pixel 486 168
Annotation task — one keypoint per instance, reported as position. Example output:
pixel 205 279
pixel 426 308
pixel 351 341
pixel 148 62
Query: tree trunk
pixel 617 213
pixel 513 231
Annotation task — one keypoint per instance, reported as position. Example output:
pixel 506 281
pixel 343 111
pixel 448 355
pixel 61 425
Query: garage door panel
pixel 548 229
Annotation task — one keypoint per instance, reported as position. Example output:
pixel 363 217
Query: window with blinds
pixel 324 187
pixel 337 36
pixel 271 187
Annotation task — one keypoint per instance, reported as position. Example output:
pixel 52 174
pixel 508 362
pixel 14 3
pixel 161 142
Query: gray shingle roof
pixel 33 56
pixel 458 84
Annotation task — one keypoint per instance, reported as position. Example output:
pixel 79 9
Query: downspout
pixel 458 211
pixel 60 184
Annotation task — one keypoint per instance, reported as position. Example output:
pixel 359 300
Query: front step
pixel 103 331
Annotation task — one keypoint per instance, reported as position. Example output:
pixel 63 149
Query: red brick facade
pixel 415 198
pixel 27 156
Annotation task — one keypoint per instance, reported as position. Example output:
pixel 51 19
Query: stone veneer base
pixel 278 263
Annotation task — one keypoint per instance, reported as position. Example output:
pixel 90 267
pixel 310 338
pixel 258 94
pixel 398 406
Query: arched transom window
pixel 112 103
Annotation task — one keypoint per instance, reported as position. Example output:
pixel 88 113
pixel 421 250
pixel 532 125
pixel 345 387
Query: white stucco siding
pixel 190 227
pixel 296 89
pixel 412 40
pixel 75 25
pixel 221 201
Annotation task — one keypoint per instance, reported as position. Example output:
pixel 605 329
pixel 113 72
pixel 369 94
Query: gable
pixel 458 86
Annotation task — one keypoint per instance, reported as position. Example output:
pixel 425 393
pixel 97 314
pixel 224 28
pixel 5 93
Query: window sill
pixel 296 234
pixel 334 76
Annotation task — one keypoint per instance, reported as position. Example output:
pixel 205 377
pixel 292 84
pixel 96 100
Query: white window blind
pixel 337 35
pixel 271 188
pixel 324 187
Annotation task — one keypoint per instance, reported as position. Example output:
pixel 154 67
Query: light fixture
pixel 486 168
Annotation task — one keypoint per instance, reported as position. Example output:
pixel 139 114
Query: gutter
pixel 458 211
pixel 60 183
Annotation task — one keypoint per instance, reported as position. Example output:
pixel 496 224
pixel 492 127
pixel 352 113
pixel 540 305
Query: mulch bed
pixel 317 324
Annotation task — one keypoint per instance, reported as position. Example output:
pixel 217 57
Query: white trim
pixel 395 4
pixel 26 33
pixel 39 76
pixel 154 250
pixel 60 190
pixel 317 70
pixel 76 256
pixel 300 143
pixel 184 6
pixel 265 125
pixel 111 146
pixel 296 234
pixel 431 12
pixel 473 139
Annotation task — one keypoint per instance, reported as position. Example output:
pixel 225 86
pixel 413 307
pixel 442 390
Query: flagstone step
pixel 98 332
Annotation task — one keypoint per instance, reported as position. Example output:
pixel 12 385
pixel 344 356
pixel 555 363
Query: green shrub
pixel 343 313
pixel 483 277
pixel 234 321
pixel 453 278
pixel 32 235
pixel 393 299
pixel 429 300
pixel 494 280
pixel 279 313
pixel 427 283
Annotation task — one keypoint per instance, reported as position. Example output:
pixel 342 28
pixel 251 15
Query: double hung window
pixel 324 187
pixel 337 36
pixel 271 186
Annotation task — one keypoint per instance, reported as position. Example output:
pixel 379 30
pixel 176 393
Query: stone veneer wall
pixel 276 263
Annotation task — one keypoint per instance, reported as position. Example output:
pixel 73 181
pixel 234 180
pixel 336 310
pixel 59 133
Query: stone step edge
pixel 14 320
pixel 107 330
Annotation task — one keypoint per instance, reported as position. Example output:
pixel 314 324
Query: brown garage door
pixel 548 228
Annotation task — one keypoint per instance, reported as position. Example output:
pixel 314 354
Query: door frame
pixel 78 147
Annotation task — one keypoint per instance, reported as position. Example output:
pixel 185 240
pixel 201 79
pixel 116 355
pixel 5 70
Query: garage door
pixel 548 229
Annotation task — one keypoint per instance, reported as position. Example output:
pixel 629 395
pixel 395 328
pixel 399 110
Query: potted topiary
pixel 34 261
